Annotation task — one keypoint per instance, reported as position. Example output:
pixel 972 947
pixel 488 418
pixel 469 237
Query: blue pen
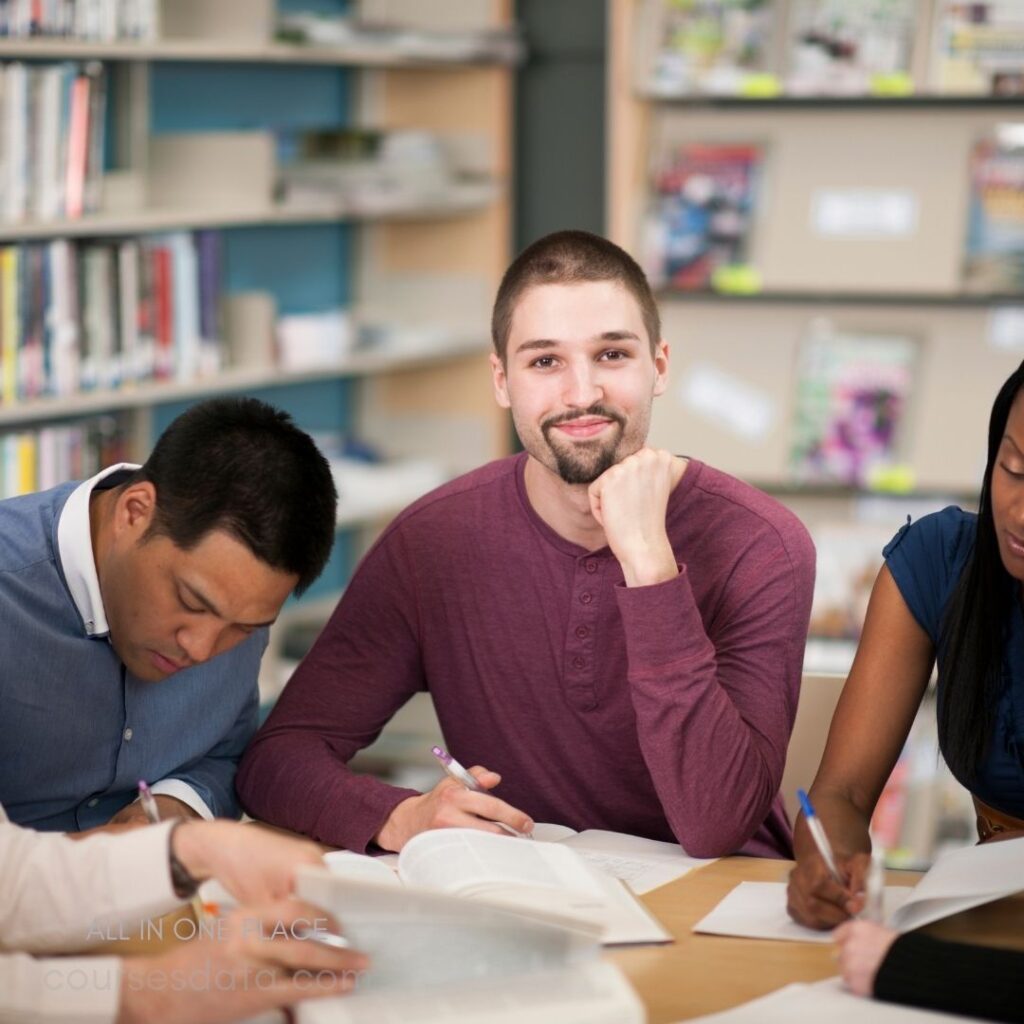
pixel 818 835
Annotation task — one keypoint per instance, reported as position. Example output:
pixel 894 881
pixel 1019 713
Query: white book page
pixel 546 877
pixel 595 993
pixel 963 879
pixel 643 864
pixel 757 910
pixel 420 940
pixel 547 832
pixel 360 867
pixel 465 861
pixel 823 1001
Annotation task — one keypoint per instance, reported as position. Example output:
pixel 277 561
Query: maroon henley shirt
pixel 661 711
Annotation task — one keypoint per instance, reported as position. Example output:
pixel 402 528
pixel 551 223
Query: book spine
pixel 78 148
pixel 128 295
pixel 9 341
pixel 162 292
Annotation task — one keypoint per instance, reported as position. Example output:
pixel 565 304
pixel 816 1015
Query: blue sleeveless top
pixel 926 559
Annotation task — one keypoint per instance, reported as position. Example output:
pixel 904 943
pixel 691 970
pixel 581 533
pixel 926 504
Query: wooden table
pixel 700 974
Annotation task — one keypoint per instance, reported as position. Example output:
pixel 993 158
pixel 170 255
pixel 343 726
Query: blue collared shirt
pixel 77 730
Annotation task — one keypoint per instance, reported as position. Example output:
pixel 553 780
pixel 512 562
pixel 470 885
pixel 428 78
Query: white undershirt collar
pixel 74 544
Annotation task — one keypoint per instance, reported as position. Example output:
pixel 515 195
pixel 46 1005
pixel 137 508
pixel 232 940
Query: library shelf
pixel 384 56
pixel 462 199
pixel 239 379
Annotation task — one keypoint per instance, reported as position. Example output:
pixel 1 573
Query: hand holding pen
pixel 455 771
pixel 462 800
pixel 153 814
pixel 826 887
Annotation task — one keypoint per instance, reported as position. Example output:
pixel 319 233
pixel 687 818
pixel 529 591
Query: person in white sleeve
pixel 58 895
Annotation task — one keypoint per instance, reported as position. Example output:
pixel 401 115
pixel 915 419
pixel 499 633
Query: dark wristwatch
pixel 182 882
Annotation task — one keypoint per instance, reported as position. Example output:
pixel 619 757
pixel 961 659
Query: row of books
pixel 763 48
pixel 703 198
pixel 51 140
pixel 80 316
pixel 92 20
pixel 35 460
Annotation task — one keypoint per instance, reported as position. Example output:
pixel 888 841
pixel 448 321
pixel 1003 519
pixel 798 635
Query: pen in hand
pixel 817 831
pixel 153 815
pixel 455 771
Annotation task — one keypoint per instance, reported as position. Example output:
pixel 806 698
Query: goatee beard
pixel 584 462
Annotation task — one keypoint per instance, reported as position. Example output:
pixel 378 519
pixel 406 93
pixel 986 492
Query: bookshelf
pixel 917 146
pixel 194 126
pixel 733 394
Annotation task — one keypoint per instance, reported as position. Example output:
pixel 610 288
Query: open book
pixel 956 882
pixel 542 878
pixel 439 958
pixel 643 864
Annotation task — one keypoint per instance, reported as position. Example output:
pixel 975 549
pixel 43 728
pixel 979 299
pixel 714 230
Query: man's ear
pixel 499 380
pixel 135 510
pixel 661 367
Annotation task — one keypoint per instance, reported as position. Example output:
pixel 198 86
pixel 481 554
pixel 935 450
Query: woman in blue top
pixel 950 590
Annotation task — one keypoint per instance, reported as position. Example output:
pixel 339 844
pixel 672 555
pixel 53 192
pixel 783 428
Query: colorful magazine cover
pixel 850 406
pixel 850 47
pixel 698 222
pixel 716 47
pixel 978 48
pixel 994 258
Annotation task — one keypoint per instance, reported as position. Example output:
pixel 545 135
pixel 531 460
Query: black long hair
pixel 976 622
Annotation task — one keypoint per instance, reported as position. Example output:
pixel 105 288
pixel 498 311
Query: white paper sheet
pixel 643 864
pixel 963 879
pixel 823 1001
pixel 757 910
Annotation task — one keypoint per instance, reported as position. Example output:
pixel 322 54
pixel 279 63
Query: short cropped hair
pixel 242 466
pixel 571 257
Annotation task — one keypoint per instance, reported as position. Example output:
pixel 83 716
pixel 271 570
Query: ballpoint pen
pixel 817 831
pixel 873 906
pixel 455 771
pixel 153 815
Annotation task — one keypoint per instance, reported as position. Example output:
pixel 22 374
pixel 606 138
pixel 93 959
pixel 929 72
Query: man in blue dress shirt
pixel 134 610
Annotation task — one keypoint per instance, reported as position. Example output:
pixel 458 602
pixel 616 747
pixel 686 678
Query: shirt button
pixel 582 631
pixel 128 733
pixel 591 567
pixel 93 802
pixel 578 662
pixel 586 598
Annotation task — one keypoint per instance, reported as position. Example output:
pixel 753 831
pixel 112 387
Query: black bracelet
pixel 182 882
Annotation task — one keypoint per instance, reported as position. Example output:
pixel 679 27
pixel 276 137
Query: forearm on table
pixel 297 782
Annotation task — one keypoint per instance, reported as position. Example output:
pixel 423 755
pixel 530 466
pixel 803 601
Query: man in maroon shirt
pixel 619 631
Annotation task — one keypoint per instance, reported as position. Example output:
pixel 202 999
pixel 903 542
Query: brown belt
pixel 992 822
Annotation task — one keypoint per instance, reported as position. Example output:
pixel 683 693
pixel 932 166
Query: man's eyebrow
pixel 537 343
pixel 201 598
pixel 546 343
